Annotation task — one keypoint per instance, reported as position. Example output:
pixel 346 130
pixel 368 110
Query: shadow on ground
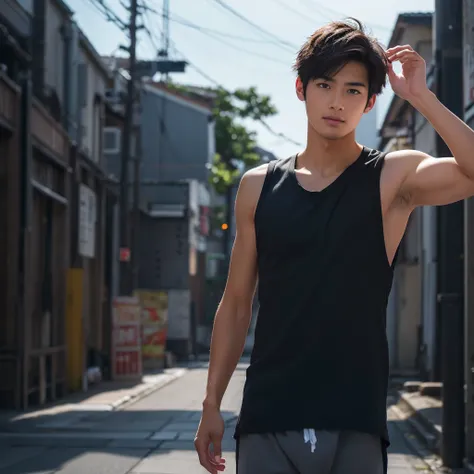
pixel 122 442
pixel 143 439
pixel 96 442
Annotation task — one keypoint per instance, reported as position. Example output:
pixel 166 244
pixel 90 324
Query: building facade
pixel 411 321
pixel 56 200
pixel 176 141
pixel 37 162
pixel 468 57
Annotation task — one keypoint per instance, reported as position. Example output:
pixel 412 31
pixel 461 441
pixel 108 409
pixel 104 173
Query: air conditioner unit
pixel 111 95
pixel 112 137
pixel 114 97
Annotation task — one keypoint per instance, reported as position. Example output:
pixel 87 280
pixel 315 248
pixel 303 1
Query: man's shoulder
pixel 256 172
pixel 400 163
pixel 251 184
pixel 262 170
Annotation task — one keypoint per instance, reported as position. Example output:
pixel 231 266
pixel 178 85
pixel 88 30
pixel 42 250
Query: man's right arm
pixel 235 309
pixel 233 315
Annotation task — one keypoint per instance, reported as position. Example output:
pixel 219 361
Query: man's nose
pixel 337 102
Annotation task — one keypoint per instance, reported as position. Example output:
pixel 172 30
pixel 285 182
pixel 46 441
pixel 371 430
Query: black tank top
pixel 320 358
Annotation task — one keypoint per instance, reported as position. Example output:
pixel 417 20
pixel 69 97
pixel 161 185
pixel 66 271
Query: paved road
pixel 153 436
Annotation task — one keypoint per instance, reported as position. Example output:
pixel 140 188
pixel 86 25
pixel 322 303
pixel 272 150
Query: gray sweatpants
pixel 310 452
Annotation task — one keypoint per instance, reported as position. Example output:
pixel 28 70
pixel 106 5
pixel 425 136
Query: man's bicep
pixel 243 266
pixel 242 276
pixel 435 181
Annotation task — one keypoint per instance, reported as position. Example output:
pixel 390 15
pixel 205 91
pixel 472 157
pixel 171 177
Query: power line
pixel 109 14
pixel 184 22
pixel 238 48
pixel 154 41
pixel 204 74
pixel 252 53
pixel 219 86
pixel 211 34
pixel 296 12
pixel 257 27
pixel 321 8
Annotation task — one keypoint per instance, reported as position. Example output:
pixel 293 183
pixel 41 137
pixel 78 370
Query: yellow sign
pixel 154 318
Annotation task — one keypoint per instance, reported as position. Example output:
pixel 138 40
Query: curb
pixel 431 460
pixel 420 423
pixel 128 400
pixel 118 405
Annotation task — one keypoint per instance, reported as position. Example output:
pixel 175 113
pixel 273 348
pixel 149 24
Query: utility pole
pixel 136 207
pixel 449 67
pixel 125 265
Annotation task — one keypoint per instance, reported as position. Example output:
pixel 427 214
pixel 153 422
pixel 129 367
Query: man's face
pixel 335 105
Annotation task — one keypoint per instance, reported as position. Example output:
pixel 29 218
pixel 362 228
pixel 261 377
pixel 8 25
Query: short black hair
pixel 332 46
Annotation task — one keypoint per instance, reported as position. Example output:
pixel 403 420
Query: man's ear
pixel 370 104
pixel 299 89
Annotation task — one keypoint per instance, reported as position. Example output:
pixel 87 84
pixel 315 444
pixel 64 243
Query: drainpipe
pixel 38 47
pixel 25 229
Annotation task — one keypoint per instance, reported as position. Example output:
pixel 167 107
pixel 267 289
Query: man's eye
pixel 323 85
pixel 354 91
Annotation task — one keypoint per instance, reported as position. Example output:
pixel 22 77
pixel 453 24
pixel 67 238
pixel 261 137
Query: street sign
pixel 150 68
pixel 126 339
pixel 125 254
pixel 87 221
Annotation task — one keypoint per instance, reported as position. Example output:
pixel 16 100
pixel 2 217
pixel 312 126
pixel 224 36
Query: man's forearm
pixel 457 135
pixel 227 344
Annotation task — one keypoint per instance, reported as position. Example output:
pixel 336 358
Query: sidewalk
pixel 420 405
pixel 153 435
pixel 106 396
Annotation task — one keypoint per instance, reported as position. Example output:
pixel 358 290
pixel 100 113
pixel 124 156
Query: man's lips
pixel 334 119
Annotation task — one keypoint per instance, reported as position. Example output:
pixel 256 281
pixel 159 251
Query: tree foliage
pixel 235 143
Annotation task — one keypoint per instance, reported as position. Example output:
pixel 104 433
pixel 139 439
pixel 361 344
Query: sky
pixel 257 47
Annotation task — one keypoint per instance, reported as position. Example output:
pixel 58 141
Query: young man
pixel 321 231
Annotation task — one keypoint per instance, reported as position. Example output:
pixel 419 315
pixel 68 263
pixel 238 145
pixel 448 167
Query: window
pixel 112 138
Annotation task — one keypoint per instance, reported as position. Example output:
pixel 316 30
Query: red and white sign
pixel 126 339
pixel 125 254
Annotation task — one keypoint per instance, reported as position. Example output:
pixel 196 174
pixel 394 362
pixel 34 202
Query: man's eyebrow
pixel 351 83
pixel 357 84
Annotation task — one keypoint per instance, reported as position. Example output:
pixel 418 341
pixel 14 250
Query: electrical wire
pixel 246 51
pixel 185 22
pixel 331 13
pixel 219 86
pixel 182 21
pixel 109 13
pixel 258 28
pixel 296 12
pixel 212 34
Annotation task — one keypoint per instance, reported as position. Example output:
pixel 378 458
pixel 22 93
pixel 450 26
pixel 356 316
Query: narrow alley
pixel 154 435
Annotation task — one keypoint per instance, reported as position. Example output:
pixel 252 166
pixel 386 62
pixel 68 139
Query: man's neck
pixel 328 157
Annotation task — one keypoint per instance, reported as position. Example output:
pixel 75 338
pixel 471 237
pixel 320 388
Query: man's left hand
pixel 411 83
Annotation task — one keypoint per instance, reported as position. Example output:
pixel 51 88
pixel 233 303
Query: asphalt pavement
pixel 151 436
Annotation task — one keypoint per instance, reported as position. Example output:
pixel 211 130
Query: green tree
pixel 235 143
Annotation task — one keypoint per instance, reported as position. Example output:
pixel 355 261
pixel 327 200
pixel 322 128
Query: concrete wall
pixel 177 138
pixel 55 48
pixel 366 131
pixel 469 235
pixel 425 140
pixel 91 140
pixel 411 300
pixel 164 253
pixel 408 277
